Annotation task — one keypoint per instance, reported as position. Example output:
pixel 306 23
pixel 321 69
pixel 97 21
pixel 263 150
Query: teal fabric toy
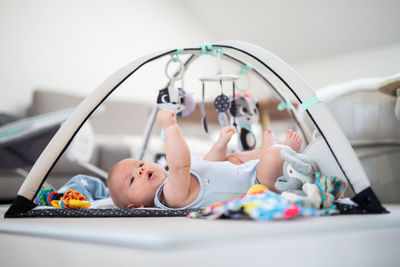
pixel 46 195
pixel 41 198
pixel 331 188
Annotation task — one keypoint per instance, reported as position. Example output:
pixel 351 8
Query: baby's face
pixel 137 181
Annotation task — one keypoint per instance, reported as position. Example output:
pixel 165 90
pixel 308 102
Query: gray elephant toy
pixel 298 181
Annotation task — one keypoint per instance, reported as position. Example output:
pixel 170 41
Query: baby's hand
pixel 166 118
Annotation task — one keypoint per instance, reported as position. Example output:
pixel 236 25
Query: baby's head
pixel 133 183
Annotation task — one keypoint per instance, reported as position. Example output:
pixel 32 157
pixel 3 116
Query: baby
pixel 197 183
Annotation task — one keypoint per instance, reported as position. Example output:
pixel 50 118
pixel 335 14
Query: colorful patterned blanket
pixel 262 204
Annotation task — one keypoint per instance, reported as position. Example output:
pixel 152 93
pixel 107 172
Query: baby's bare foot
pixel 268 138
pixel 225 135
pixel 293 140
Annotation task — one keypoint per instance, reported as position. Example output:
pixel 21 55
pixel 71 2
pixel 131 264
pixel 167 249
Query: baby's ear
pixel 133 206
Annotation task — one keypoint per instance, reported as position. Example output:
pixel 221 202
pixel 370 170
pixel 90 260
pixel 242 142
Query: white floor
pixel 352 240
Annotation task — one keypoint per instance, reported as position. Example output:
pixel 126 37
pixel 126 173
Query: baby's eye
pixel 141 165
pixel 132 179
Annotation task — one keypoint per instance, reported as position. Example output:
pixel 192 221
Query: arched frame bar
pixel 323 120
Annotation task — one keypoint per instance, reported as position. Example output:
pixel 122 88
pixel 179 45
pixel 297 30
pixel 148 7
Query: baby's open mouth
pixel 150 174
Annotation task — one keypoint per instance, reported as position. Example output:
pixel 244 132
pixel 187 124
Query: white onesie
pixel 219 181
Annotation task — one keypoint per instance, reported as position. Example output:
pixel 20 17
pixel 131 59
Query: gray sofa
pixel 106 152
pixel 115 138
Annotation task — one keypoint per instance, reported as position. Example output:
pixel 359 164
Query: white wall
pixel 74 45
pixel 302 30
pixel 378 62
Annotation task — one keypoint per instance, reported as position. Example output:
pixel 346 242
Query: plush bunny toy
pixel 298 182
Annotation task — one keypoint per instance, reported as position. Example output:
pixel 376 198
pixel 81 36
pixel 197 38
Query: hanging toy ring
pixel 243 76
pixel 246 82
pixel 179 75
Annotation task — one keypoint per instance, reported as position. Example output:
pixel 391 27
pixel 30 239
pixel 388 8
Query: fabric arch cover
pixel 324 121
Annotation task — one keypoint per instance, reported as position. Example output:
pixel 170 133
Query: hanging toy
pixel 222 102
pixel 190 104
pixel 172 97
pixel 203 111
pixel 245 112
pixel 244 83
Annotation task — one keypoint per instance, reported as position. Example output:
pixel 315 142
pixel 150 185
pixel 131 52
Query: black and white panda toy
pixel 177 100
pixel 244 112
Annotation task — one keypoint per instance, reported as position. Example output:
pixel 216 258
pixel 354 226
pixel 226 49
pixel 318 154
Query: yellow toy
pixel 78 204
pixel 71 200
pixel 257 188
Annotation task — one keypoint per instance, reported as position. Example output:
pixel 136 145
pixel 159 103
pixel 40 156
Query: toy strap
pixel 203 111
pixel 284 105
pixel 310 102
pixel 233 98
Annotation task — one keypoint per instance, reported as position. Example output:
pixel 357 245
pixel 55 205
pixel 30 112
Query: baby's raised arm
pixel 176 189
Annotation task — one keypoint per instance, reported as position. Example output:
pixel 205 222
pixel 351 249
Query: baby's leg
pixel 219 149
pixel 241 157
pixel 293 140
pixel 238 158
pixel 271 164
